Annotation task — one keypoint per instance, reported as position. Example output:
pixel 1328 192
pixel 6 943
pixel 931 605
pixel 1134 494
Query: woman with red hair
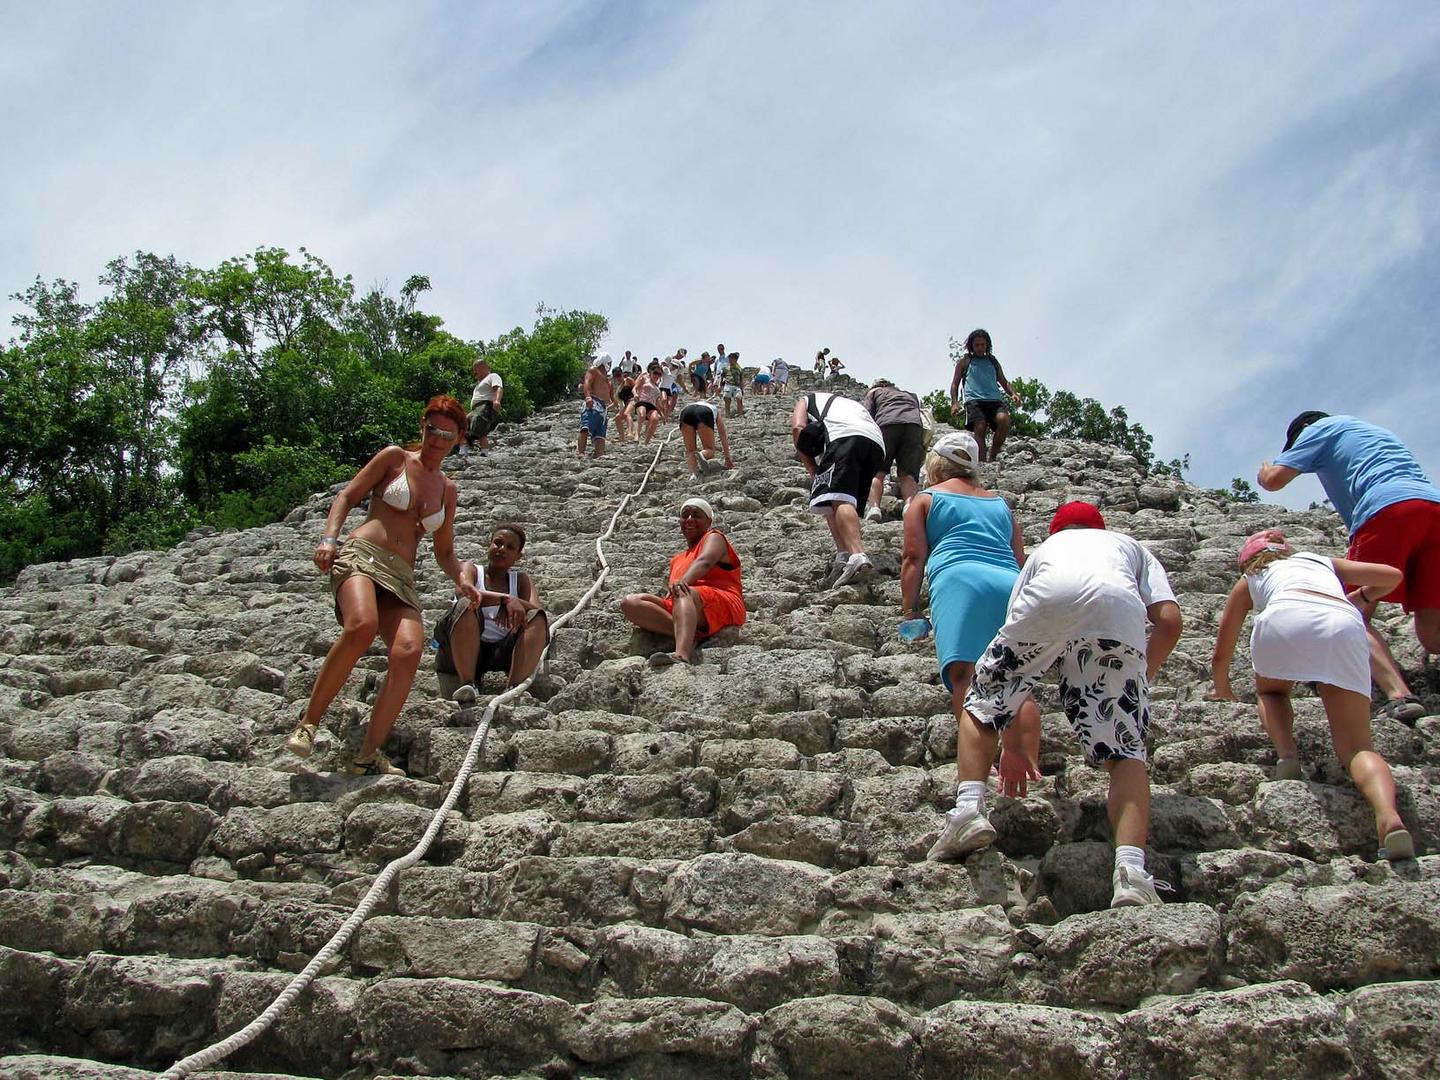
pixel 372 575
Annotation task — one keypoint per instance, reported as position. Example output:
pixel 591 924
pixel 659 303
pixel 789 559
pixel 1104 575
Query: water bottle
pixel 914 629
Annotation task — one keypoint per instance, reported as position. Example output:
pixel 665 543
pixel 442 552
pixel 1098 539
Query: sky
pixel 1215 214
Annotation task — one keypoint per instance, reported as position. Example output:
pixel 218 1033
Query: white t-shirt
pixel 1086 583
pixel 628 366
pixel 1301 572
pixel 485 390
pixel 847 418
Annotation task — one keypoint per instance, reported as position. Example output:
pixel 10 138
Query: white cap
pixel 959 447
pixel 603 360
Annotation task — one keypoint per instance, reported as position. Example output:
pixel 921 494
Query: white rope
pixel 217 1052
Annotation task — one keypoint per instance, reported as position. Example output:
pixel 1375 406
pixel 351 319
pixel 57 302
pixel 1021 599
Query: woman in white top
pixel 372 575
pixel 1306 630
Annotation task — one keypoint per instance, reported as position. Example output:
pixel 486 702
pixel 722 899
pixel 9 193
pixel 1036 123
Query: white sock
pixel 971 794
pixel 1132 857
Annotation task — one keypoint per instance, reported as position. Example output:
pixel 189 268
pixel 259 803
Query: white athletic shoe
pixel 856 567
pixel 965 830
pixel 1136 888
pixel 465 695
pixel 873 514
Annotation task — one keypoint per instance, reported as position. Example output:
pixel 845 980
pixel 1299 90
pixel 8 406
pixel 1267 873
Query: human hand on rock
pixel 1016 772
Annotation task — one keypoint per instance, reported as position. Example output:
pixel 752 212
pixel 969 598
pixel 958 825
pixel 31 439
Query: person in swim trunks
pixel 506 633
pixel 372 575
pixel 702 419
pixel 705 593
pixel 594 418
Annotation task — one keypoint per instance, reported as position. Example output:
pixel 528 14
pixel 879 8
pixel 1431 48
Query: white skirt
pixel 1312 640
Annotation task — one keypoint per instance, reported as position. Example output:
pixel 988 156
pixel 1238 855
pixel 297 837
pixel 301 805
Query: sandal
pixel 1406 709
pixel 301 742
pixel 1398 845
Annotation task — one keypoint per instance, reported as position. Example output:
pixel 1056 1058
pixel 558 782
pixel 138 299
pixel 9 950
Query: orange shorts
pixel 1405 535
pixel 722 607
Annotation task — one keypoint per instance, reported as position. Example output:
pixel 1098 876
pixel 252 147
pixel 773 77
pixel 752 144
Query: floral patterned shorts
pixel 1102 689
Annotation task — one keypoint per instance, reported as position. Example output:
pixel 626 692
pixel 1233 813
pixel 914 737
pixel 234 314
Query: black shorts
pixel 983 412
pixel 647 405
pixel 696 415
pixel 625 394
pixel 670 391
pixel 844 472
pixel 482 421
pixel 700 382
pixel 904 448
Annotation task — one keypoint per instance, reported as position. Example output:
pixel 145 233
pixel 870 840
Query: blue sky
pixel 1215 214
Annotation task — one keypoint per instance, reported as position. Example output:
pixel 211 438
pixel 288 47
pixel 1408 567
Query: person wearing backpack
pixel 901 419
pixel 842 448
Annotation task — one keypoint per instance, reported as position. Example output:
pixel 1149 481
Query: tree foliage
pixel 225 396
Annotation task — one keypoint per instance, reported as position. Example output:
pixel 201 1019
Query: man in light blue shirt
pixel 1393 513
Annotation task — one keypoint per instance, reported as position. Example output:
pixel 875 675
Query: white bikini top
pixel 398 496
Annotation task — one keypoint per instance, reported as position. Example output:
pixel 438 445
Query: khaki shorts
pixel 388 570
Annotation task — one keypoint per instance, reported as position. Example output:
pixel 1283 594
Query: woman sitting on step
pixel 506 633
pixel 1306 630
pixel 372 575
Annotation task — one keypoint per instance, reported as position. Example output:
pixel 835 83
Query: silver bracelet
pixel 329 540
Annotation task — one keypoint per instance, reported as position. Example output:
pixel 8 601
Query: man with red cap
pixel 1082 599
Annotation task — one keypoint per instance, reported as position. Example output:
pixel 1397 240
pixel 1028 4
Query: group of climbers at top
pixel 1089 599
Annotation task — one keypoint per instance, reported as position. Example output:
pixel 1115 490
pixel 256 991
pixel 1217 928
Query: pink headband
pixel 1264 540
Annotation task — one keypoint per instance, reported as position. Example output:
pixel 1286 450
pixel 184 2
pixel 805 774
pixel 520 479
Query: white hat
pixel 959 447
pixel 699 504
pixel 603 360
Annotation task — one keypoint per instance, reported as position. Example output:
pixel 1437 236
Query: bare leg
pixel 1276 715
pixel 403 634
pixel 1129 803
pixel 844 525
pixel 1002 429
pixel 707 440
pixel 647 612
pixel 978 430
pixel 599 446
pixel 580 447
pixel 975 747
pixel 689 618
pixel 528 647
pixel 1427 629
pixel 1349 716
pixel 908 487
pixel 1383 668
pixel 358 607
pixel 465 645
pixel 687 433
pixel 877 489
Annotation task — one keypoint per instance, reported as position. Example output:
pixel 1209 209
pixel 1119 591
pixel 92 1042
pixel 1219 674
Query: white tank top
pixel 1290 578
pixel 490 629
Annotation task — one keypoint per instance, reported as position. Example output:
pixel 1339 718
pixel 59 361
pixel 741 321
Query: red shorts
pixel 722 607
pixel 1405 535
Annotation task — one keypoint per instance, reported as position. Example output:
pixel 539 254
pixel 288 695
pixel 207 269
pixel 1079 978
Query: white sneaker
pixel 1136 888
pixel 873 514
pixel 857 566
pixel 965 830
pixel 465 695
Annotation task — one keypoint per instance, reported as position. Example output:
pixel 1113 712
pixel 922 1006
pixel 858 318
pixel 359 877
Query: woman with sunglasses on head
pixel 372 575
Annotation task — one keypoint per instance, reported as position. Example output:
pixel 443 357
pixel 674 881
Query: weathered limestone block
pixel 816 840
pixel 52 1067
pixel 316 1034
pixel 901 739
pixel 142 1008
pixel 611 1031
pixel 508 793
pixel 929 959
pixel 1274 1029
pixel 185 917
pixel 1076 877
pixel 379 832
pixel 298 829
pixel 757 794
pixel 1230 782
pixel 754 973
pixel 497 840
pixel 1337 935
pixel 70 924
pixel 837 1038
pixel 1189 823
pixel 189 726
pixel 1394 1029
pixel 1016 1041
pixel 1220 877
pixel 578 753
pixel 1312 820
pixel 899 790
pixel 590 891
pixel 740 894
pixel 421 947
pixel 448 1025
pixel 89 824
pixel 686 793
pixel 658 838
pixel 69 772
pixel 726 757
pixel 167 831
pixel 448 891
pixel 812 731
pixel 1119 956
pixel 661 752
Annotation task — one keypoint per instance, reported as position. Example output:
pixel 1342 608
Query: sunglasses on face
pixel 441 433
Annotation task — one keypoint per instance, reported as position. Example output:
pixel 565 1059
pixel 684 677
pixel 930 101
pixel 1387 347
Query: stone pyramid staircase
pixel 714 871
